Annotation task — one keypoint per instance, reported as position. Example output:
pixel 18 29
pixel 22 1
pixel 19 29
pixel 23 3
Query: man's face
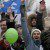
pixel 42 6
pixel 34 22
pixel 3 26
pixel 36 35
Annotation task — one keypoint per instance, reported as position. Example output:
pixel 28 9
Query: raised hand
pixel 22 8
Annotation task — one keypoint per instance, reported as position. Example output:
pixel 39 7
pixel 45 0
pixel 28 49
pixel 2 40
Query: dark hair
pixel 2 15
pixel 30 18
pixel 22 6
pixel 42 2
pixel 3 19
pixel 19 26
pixel 7 16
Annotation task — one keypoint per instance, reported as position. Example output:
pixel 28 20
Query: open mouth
pixel 36 37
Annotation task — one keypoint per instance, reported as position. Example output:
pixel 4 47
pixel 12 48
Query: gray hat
pixel 35 30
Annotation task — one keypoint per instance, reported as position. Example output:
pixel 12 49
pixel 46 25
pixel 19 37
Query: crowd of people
pixel 33 32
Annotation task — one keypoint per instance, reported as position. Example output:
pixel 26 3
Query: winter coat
pixel 45 40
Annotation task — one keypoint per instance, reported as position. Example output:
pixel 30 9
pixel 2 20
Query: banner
pixel 14 4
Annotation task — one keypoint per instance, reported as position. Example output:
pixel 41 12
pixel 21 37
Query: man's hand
pixel 11 18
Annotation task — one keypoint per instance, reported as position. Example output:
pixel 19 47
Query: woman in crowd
pixel 29 42
pixel 32 22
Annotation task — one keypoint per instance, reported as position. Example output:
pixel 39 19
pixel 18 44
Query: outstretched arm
pixel 26 34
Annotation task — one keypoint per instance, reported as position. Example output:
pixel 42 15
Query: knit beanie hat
pixel 35 30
